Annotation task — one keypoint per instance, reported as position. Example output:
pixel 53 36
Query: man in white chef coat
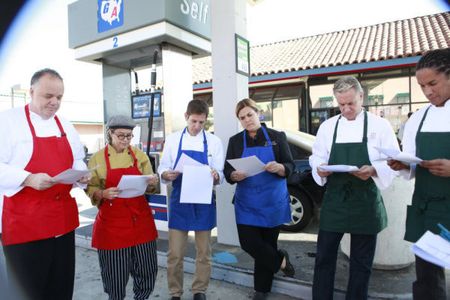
pixel 352 202
pixel 39 216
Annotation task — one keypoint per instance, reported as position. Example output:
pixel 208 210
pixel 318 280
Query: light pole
pixel 14 87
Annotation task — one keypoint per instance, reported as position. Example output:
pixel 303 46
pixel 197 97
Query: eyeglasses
pixel 124 136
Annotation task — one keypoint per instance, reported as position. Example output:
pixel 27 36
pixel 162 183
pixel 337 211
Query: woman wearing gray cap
pixel 124 230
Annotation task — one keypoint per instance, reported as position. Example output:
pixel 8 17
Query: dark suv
pixel 306 195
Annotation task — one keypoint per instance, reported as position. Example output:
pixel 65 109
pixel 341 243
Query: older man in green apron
pixel 352 202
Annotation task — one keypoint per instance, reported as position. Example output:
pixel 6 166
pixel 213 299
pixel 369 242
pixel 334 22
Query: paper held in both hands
pixel 434 249
pixel 398 155
pixel 250 165
pixel 133 185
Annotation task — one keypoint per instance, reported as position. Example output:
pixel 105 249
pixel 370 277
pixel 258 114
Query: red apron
pixel 122 222
pixel 32 215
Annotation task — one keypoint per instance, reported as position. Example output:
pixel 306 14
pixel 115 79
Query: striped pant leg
pixel 115 267
pixel 144 269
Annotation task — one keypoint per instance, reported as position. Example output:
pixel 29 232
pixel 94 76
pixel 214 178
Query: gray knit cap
pixel 120 121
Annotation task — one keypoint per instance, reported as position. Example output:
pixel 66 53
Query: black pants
pixel 116 266
pixel 430 282
pixel 362 251
pixel 261 244
pixel 42 270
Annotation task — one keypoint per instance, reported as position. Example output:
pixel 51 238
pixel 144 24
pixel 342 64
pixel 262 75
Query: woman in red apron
pixel 124 230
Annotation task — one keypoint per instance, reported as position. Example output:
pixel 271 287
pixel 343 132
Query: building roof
pixel 380 42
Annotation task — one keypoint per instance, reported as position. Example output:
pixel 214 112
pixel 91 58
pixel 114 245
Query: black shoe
pixel 175 298
pixel 288 270
pixel 259 296
pixel 199 296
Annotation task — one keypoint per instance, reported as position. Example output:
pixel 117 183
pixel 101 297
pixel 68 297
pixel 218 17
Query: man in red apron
pixel 205 148
pixel 39 215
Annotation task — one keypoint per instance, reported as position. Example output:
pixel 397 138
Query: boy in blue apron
pixel 352 202
pixel 207 149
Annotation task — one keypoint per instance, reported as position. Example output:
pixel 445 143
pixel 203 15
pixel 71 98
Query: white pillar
pixel 227 19
pixel 392 251
pixel 177 81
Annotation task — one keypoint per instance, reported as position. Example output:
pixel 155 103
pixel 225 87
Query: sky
pixel 39 36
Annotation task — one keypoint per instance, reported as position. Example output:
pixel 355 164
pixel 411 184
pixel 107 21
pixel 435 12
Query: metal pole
pixel 152 100
pixel 12 97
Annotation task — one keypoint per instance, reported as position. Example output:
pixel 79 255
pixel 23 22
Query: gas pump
pixel 136 35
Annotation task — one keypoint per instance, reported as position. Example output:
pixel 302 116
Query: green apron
pixel 431 199
pixel 351 205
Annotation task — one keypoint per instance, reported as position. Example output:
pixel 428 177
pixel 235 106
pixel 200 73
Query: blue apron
pixel 262 200
pixel 187 216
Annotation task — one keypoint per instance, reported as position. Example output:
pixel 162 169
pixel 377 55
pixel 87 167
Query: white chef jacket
pixel 17 147
pixel 437 120
pixel 195 143
pixel 379 134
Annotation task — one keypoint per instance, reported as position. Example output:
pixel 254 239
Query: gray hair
pixel 47 71
pixel 345 83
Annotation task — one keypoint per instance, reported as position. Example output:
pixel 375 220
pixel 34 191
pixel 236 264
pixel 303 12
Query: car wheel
pixel 301 210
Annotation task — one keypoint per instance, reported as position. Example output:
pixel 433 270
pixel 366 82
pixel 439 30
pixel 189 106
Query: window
pixel 326 102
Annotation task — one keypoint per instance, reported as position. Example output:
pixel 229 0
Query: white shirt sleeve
pixel 384 138
pixel 216 155
pixel 321 149
pixel 15 152
pixel 167 159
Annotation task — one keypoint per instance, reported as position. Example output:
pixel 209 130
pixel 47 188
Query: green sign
pixel 242 55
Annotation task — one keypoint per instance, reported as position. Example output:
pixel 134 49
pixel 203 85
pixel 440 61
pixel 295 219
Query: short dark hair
pixel 438 60
pixel 197 107
pixel 47 71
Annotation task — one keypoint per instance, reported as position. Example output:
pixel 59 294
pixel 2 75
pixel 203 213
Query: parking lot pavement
pixel 88 284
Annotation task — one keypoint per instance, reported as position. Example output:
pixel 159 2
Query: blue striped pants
pixel 138 261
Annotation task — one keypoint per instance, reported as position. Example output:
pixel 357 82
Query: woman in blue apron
pixel 261 201
pixel 427 135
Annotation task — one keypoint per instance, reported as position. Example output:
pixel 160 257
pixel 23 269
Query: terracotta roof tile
pixel 397 39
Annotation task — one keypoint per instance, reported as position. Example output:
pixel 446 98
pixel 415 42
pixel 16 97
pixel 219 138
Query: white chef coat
pixel 195 143
pixel 437 120
pixel 17 147
pixel 379 134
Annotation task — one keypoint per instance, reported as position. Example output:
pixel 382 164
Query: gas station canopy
pixel 125 33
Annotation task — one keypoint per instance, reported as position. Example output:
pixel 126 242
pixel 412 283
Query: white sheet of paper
pixel 196 185
pixel 251 165
pixel 434 249
pixel 397 155
pixel 132 185
pixel 186 160
pixel 338 168
pixel 70 176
